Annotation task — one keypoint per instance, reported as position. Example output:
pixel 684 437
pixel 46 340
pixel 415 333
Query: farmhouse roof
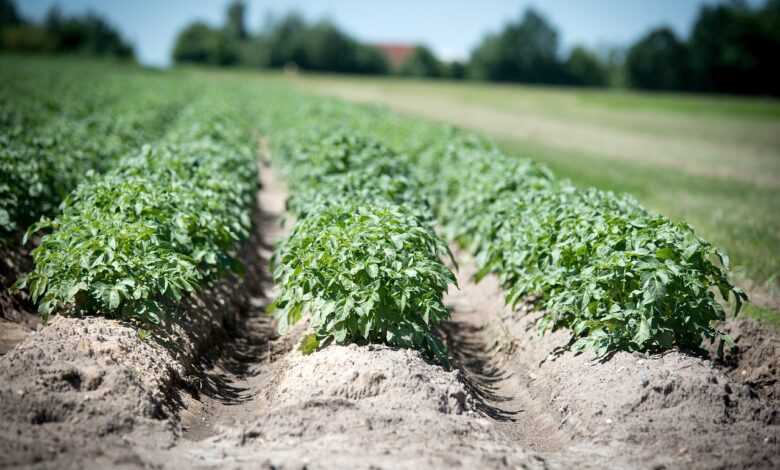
pixel 395 53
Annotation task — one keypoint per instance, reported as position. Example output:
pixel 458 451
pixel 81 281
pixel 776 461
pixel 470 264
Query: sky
pixel 452 28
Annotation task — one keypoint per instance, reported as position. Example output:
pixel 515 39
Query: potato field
pixel 205 269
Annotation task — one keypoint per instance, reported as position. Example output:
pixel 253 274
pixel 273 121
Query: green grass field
pixel 711 161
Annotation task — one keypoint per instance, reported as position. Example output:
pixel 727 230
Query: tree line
pixel 731 49
pixel 88 34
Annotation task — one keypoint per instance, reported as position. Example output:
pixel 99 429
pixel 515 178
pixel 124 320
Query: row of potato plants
pixel 51 139
pixel 362 260
pixel 165 221
pixel 616 275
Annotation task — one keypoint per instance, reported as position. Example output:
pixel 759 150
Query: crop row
pixel 167 219
pixel 362 260
pixel 50 143
pixel 618 276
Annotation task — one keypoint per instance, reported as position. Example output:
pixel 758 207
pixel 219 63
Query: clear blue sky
pixel 451 27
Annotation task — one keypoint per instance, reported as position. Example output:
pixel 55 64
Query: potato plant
pixel 362 261
pixel 49 141
pixel 364 273
pixel 346 167
pixel 617 276
pixel 162 223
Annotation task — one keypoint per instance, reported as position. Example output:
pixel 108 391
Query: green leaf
pixel 309 344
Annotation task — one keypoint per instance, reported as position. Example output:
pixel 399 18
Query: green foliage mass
pixel 162 223
pixel 88 34
pixel 50 140
pixel 616 275
pixel 332 166
pixel 364 273
pixel 363 260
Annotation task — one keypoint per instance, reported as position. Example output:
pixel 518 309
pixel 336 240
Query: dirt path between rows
pixel 509 402
pixel 631 411
pixel 483 349
pixel 242 368
pixel 92 393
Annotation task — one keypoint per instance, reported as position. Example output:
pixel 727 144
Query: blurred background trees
pixel 423 63
pixel 286 41
pixel 732 48
pixel 658 61
pixel 88 34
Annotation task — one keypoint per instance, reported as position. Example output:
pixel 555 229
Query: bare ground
pixel 87 393
pixel 80 391
pixel 637 411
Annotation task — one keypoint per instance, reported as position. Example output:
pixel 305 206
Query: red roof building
pixel 396 54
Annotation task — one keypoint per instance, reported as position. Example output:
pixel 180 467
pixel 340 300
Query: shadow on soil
pixel 477 360
pixel 244 340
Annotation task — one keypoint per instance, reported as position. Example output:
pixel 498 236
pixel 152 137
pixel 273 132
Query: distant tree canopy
pixel 290 40
pixel 585 69
pixel 527 51
pixel 236 23
pixel 200 43
pixel 423 63
pixel 88 34
pixel 732 49
pixel 658 61
pixel 8 14
pixel 320 46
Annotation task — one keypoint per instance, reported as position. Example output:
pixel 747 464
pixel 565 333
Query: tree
pixel 422 63
pixel 585 69
pixel 54 19
pixel 286 39
pixel 455 70
pixel 200 43
pixel 658 61
pixel 8 14
pixel 236 24
pixel 525 51
pixel 733 48
pixel 289 40
pixel 89 34
pixel 321 46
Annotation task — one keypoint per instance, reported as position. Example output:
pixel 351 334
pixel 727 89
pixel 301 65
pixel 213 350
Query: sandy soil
pixel 81 391
pixel 638 411
pixel 88 393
